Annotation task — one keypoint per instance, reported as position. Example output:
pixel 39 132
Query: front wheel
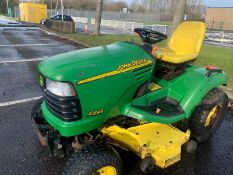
pixel 209 115
pixel 94 159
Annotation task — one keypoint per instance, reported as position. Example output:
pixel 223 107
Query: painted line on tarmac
pixel 25 60
pixel 23 45
pixel 19 27
pixel 19 101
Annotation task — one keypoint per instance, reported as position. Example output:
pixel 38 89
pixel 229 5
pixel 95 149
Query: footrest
pixel 164 107
pixel 146 114
pixel 161 142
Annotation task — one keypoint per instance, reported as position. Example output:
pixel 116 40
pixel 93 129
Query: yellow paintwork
pixel 32 12
pixel 107 170
pixel 185 43
pixel 154 87
pixel 162 142
pixel 210 115
pixel 115 72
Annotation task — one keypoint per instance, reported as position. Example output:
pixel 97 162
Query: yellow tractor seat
pixel 185 43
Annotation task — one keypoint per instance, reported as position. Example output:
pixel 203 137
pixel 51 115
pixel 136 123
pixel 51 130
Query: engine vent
pixel 142 72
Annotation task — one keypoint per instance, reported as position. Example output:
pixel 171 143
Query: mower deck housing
pixel 160 141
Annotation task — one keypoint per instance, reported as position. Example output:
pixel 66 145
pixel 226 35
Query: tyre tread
pixel 90 157
pixel 202 109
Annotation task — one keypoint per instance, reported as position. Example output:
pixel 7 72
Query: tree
pixel 179 15
pixel 98 17
pixel 110 5
pixel 136 6
pixel 7 4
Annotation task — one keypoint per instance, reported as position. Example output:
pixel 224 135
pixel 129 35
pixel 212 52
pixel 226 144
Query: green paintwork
pixel 109 93
pixel 115 94
pixel 81 64
pixel 189 89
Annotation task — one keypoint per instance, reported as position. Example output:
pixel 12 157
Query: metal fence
pixel 119 20
pixel 165 29
pixel 124 21
pixel 219 25
pixel 119 16
pixel 123 25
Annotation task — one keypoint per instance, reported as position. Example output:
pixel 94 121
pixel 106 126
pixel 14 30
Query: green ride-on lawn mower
pixel 140 98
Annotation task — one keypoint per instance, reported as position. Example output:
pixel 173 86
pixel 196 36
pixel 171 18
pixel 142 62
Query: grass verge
pixel 94 40
pixel 217 56
pixel 209 55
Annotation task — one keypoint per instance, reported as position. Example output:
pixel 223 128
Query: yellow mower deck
pixel 162 142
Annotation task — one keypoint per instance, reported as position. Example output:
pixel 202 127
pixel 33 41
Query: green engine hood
pixel 85 63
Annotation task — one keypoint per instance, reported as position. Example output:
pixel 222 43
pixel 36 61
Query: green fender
pixel 188 89
pixel 195 95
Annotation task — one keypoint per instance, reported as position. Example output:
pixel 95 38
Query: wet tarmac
pixel 20 151
pixel 8 22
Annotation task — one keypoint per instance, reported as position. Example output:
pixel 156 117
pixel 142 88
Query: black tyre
pixel 137 171
pixel 36 112
pixel 208 115
pixel 94 159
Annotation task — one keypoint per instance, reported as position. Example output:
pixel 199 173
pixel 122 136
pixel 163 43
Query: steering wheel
pixel 150 36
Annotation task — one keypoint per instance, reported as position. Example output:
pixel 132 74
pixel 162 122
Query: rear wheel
pixel 209 115
pixel 94 159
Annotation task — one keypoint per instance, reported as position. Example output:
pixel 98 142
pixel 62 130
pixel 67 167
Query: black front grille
pixel 66 108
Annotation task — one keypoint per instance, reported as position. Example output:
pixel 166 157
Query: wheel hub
pixel 213 116
pixel 107 170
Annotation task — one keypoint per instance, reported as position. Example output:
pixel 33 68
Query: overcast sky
pixel 211 3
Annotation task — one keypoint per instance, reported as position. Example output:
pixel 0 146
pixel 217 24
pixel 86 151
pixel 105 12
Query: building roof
pixel 220 7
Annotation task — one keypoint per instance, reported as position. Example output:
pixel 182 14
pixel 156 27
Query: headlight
pixel 60 88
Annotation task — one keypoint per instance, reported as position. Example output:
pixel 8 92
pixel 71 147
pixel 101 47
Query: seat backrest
pixel 188 38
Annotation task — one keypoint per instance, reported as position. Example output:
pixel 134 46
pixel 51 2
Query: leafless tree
pixel 136 6
pixel 110 5
pixel 3 5
pixel 179 15
pixel 163 5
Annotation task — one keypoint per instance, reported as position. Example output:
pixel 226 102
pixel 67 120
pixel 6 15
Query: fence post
pixel 221 25
pixel 15 11
pixel 212 25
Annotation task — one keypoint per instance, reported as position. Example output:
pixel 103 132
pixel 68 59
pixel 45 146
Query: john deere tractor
pixel 146 100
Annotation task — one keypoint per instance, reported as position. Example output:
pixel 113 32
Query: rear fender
pixel 188 89
pixel 193 97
